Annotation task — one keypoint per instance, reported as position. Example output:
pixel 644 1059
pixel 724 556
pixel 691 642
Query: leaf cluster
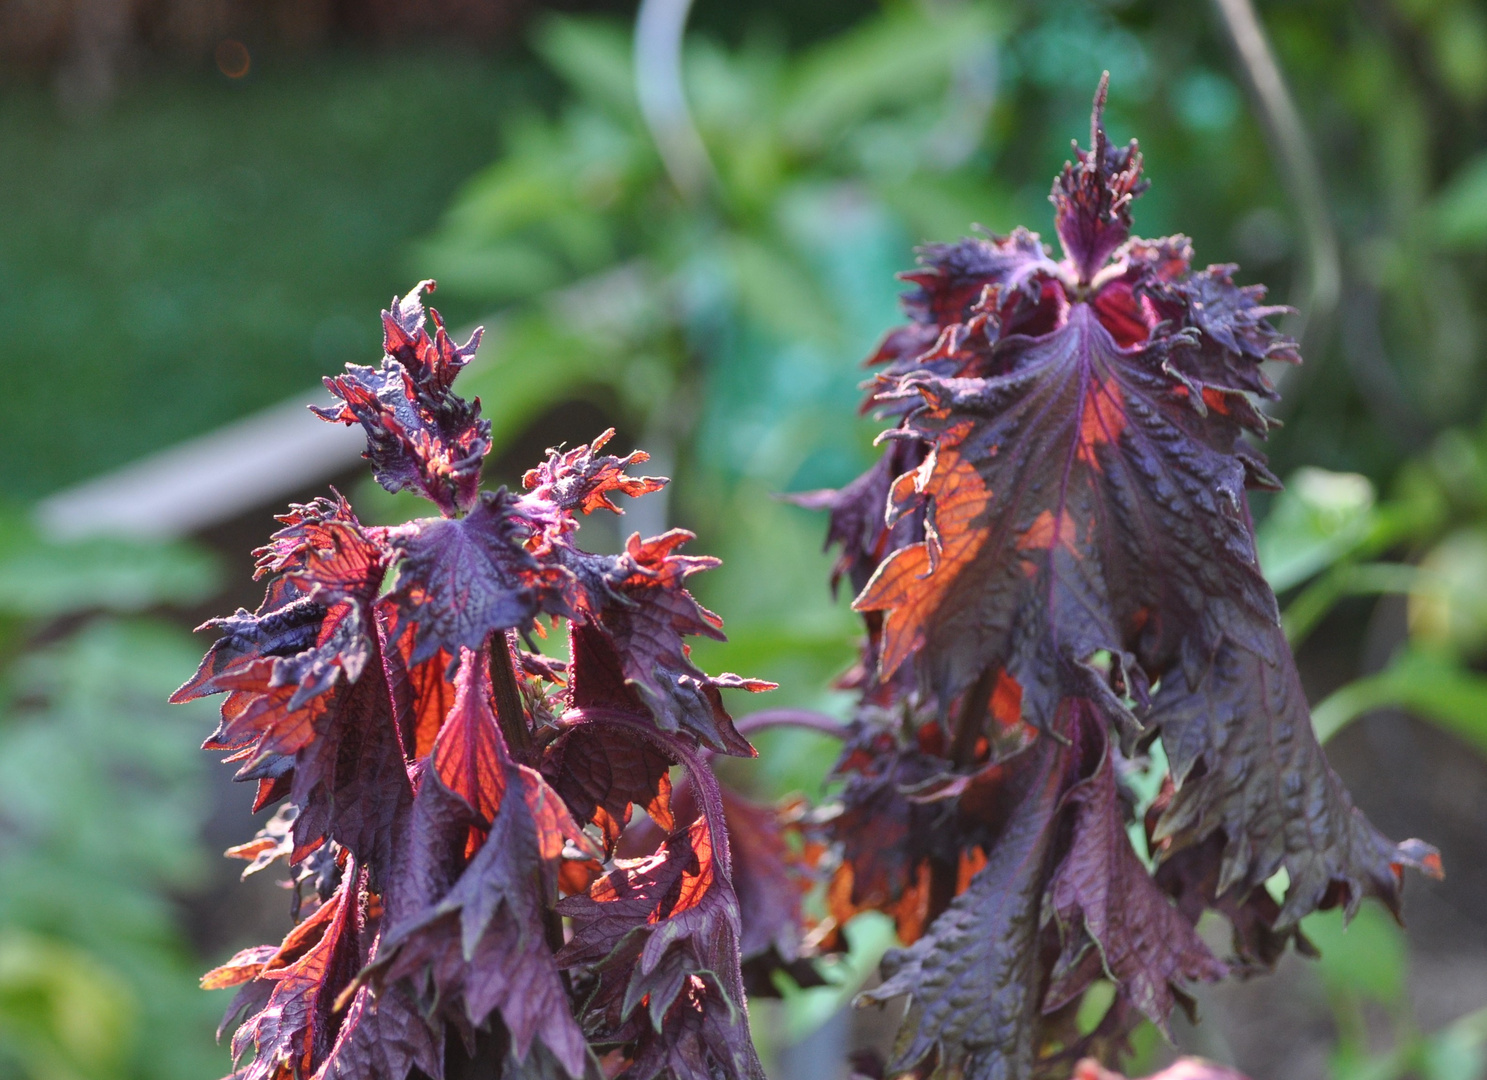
pixel 1057 569
pixel 453 798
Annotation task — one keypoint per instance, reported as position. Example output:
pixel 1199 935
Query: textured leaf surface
pixel 351 782
pixel 298 1017
pixel 601 772
pixel 435 852
pixel 644 618
pixel 662 937
pixel 583 479
pixel 460 579
pixel 384 1038
pixel 1053 487
pixel 1115 920
pixel 420 434
pixel 484 944
pixel 973 979
pixel 1057 534
pixel 659 938
pixel 1268 787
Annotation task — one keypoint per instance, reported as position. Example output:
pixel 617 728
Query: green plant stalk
pixel 1306 612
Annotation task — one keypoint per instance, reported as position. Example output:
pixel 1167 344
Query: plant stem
pixel 1299 170
pixel 969 724
pixel 796 718
pixel 509 711
pixel 660 27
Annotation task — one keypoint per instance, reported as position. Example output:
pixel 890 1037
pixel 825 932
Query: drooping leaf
pixel 888 840
pixel 638 624
pixel 1268 786
pixel 661 938
pixel 290 1033
pixel 601 772
pixel 1191 877
pixel 351 782
pixel 973 981
pixel 484 945
pixel 1058 526
pixel 470 755
pixel 1052 488
pixel 422 693
pixel 384 1037
pixel 769 877
pixel 1114 919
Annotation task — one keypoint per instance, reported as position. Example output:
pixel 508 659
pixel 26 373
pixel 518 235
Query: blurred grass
pixel 209 247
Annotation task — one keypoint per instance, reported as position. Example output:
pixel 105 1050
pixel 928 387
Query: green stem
pixel 1306 612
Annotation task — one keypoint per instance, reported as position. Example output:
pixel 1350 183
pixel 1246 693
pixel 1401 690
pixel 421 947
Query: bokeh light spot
pixel 233 59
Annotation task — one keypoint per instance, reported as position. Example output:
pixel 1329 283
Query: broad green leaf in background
pixel 1460 211
pixel 1320 518
pixel 102 791
pixel 1448 609
pixel 1426 684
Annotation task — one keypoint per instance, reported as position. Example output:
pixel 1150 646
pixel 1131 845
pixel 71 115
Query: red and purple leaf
pixel 483 944
pixel 973 980
pixel 1061 512
pixel 662 940
pixel 462 578
pixel 636 625
pixel 601 772
pixel 420 434
pixel 582 479
pixel 1114 919
pixel 435 850
pixel 1267 785
pixel 1092 197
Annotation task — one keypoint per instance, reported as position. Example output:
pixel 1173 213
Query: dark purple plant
pixel 1056 567
pixel 453 797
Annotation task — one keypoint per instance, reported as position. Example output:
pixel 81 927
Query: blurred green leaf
pixel 63 1015
pixel 1460 211
pixel 1448 609
pixel 869 936
pixel 594 56
pixel 1425 684
pixel 904 56
pixel 1344 579
pixel 1458 1050
pixel 41 578
pixel 1319 518
pixel 101 798
pixel 199 250
pixel 1365 958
